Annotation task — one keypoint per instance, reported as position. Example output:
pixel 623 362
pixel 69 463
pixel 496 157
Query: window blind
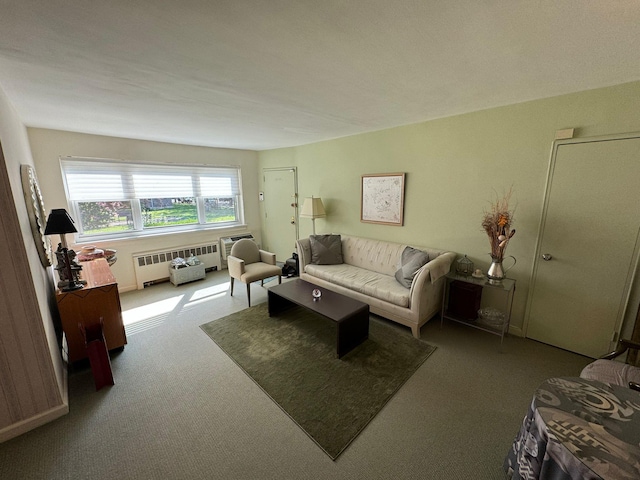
pixel 105 180
pixel 211 186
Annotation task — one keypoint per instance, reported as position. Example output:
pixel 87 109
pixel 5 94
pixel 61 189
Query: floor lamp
pixel 313 208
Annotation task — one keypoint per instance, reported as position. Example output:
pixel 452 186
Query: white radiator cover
pixel 152 267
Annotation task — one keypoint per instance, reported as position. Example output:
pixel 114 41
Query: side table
pixel 506 288
pixel 98 299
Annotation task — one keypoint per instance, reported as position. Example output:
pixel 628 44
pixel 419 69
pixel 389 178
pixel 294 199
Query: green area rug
pixel 292 358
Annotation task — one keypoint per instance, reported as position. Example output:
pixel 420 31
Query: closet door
pixel 587 246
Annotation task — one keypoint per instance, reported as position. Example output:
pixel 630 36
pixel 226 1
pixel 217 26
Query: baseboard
pixel 516 331
pixel 128 288
pixel 36 421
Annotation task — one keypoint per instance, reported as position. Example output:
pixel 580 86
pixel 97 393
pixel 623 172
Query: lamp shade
pixel 59 222
pixel 313 208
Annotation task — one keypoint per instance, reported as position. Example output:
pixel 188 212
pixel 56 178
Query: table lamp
pixel 59 222
pixel 313 208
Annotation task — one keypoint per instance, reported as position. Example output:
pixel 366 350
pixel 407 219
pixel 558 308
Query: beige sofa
pixel 368 274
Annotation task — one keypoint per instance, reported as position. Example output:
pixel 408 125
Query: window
pixel 116 199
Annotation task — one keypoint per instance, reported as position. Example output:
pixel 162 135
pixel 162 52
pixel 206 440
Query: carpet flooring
pixel 292 358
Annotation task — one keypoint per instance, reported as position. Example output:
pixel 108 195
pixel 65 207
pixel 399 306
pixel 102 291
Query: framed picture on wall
pixel 382 198
pixel 37 213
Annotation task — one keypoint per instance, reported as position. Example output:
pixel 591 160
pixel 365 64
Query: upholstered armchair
pixel 249 264
pixel 607 370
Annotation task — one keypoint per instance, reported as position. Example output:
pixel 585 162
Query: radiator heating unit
pixel 153 267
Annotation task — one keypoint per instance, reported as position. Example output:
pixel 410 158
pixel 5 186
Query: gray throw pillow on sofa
pixel 411 261
pixel 326 249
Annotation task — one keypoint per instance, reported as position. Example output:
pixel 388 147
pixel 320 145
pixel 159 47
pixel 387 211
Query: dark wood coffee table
pixel 351 316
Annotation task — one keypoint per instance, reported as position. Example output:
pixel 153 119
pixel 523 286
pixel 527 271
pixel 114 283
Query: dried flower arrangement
pixel 497 223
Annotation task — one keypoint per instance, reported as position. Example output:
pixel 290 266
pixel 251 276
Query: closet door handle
pixel 546 257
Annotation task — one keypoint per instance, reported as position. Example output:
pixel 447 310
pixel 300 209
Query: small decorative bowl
pixel 90 252
pixel 491 317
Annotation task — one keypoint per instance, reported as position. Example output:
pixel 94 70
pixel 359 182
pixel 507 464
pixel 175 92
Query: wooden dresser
pixel 98 298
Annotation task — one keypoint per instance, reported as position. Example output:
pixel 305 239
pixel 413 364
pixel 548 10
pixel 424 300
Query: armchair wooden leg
pixel 232 286
pixel 279 279
pixel 249 294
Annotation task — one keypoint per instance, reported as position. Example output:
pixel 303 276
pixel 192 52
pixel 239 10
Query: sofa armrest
pixel 427 285
pixel 236 266
pixel 440 266
pixel 267 257
pixel 303 245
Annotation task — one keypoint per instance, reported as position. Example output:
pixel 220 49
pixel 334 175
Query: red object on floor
pixel 98 354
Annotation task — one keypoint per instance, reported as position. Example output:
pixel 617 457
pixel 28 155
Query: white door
pixel 280 212
pixel 587 246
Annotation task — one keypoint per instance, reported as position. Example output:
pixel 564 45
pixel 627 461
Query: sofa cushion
pixel 377 285
pixel 375 255
pixel 411 261
pixel 326 249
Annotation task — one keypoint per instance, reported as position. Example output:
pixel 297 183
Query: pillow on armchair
pixel 326 249
pixel 610 371
pixel 607 370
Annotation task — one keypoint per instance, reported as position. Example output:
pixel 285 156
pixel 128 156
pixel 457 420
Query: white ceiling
pixel 260 74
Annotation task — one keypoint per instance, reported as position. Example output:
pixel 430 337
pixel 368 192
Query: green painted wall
pixel 454 167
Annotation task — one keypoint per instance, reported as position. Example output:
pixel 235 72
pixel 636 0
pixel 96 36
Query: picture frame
pixel 382 198
pixel 36 212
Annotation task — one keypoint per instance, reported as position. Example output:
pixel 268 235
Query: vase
pixel 496 271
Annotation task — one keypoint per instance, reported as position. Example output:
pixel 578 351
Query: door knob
pixel 546 257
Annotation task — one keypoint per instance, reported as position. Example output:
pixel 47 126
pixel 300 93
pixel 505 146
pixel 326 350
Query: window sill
pixel 156 232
